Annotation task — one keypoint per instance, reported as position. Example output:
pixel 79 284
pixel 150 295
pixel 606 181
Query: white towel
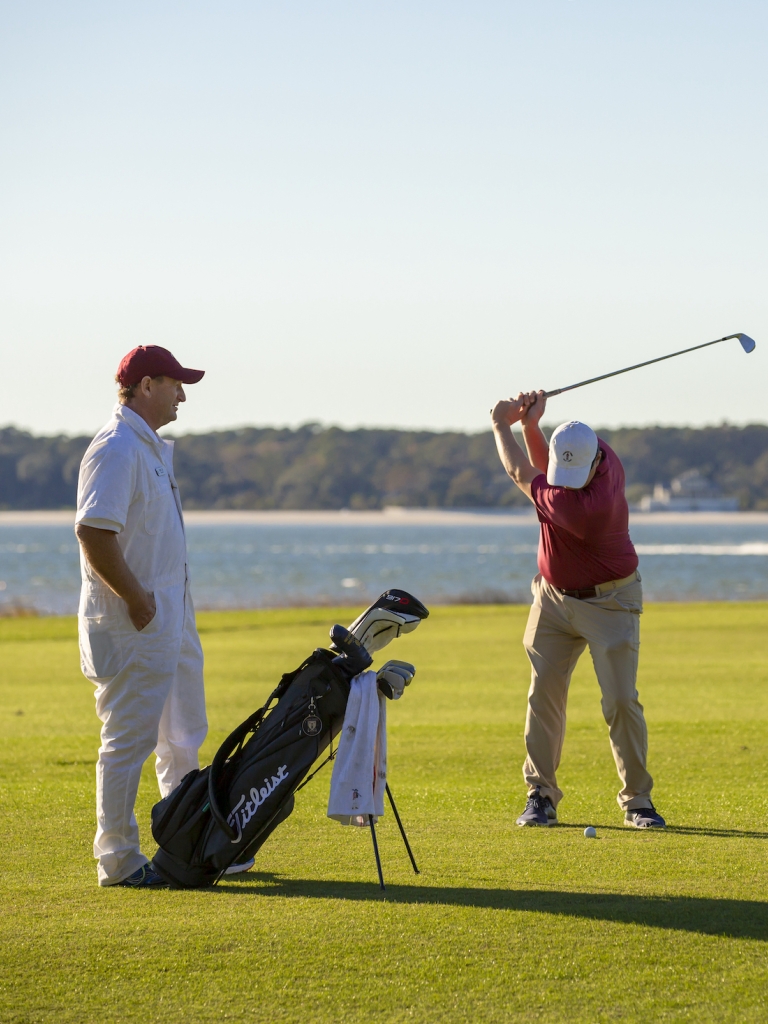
pixel 360 768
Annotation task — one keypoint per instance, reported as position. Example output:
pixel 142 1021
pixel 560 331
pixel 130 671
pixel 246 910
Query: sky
pixel 384 214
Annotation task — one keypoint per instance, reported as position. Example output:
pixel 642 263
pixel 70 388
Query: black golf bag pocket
pixel 174 812
pixel 222 814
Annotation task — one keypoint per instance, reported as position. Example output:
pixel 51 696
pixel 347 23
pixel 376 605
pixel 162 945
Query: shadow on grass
pixel 686 830
pixel 729 833
pixel 743 919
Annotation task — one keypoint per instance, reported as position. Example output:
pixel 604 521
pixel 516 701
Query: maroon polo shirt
pixel 584 537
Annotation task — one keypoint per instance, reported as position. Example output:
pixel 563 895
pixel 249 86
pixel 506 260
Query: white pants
pixel 149 696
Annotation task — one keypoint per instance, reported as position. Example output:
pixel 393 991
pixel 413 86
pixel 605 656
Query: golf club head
pixel 353 657
pixel 746 342
pixel 393 678
pixel 394 613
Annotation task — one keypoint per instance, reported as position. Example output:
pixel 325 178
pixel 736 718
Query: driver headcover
pixel 394 613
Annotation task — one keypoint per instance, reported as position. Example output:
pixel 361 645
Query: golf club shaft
pixel 659 359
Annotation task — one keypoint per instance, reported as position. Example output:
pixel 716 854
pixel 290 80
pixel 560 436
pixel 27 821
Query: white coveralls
pixel 149 684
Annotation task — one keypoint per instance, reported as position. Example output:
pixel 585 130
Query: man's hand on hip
pixel 142 609
pixel 103 554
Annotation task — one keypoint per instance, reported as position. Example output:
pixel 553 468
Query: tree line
pixel 314 467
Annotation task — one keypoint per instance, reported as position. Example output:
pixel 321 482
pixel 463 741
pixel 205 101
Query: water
pixel 348 560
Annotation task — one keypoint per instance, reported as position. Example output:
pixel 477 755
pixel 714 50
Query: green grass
pixel 503 924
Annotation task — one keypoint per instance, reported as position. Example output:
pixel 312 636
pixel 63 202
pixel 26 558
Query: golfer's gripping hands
pixel 527 409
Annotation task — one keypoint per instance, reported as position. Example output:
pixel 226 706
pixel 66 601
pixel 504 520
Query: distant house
pixel 689 492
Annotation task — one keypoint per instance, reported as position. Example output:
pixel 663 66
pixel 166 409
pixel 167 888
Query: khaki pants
pixel 558 630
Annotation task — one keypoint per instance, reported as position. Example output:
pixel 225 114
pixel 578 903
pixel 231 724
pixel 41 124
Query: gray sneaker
pixel 644 817
pixel 538 811
pixel 245 865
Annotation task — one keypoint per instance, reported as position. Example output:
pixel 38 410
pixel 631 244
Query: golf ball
pixel 590 832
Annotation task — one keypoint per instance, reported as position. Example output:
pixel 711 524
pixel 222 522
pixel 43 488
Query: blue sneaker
pixel 644 817
pixel 538 811
pixel 145 878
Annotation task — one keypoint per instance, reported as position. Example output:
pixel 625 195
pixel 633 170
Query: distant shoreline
pixel 393 516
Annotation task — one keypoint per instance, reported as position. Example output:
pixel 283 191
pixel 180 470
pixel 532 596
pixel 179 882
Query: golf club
pixel 744 340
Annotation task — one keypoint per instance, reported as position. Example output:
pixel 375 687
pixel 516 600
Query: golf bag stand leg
pixel 376 851
pixel 402 830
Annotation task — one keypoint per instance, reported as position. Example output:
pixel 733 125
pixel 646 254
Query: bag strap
pixel 225 751
pixel 235 740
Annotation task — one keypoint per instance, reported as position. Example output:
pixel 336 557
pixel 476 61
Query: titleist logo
pixel 245 809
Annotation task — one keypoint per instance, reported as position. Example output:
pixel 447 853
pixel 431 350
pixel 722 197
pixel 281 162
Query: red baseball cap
pixel 154 361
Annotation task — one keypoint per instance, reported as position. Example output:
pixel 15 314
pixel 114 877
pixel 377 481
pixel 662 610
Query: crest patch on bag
pixel 312 725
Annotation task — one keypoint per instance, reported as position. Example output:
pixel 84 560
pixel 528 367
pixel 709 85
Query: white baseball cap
pixel 572 450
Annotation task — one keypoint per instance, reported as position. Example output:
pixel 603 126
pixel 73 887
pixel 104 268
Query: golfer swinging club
pixel 138 640
pixel 587 593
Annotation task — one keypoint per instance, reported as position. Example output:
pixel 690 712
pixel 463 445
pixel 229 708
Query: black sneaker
pixel 538 811
pixel 145 878
pixel 644 817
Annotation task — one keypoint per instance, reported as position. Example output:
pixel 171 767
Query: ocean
pixel 281 559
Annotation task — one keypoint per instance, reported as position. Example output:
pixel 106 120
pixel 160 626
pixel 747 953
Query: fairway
pixel 503 924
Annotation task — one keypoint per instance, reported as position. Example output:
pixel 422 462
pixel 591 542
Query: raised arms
pixel 503 415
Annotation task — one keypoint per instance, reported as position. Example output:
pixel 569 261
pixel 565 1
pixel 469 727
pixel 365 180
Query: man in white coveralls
pixel 138 640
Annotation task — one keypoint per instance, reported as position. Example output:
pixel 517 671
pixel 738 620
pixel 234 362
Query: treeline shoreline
pixel 317 468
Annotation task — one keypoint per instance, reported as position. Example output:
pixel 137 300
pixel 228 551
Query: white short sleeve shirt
pixel 127 485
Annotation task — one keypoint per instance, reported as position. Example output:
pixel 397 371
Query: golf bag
pixel 222 814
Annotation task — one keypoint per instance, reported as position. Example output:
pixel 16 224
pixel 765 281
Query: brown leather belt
pixel 600 589
pixel 582 595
